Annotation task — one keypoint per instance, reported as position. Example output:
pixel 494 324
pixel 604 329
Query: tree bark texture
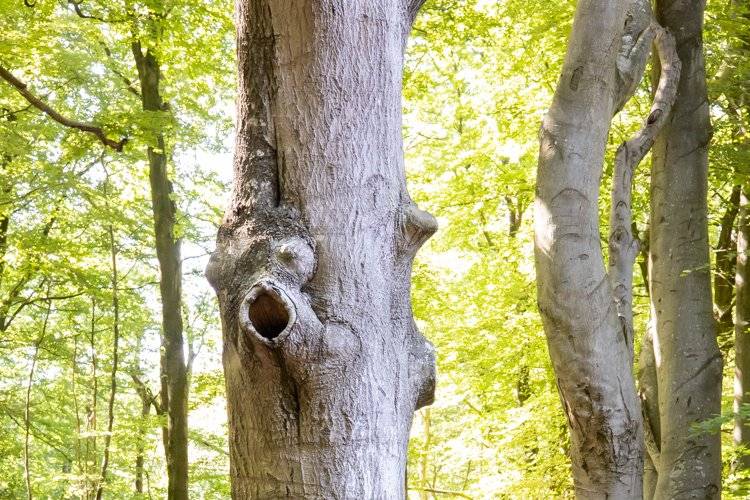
pixel 742 328
pixel 687 358
pixel 583 309
pixel 174 383
pixel 324 365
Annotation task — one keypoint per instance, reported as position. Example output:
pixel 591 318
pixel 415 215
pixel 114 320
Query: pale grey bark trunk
pixel 589 351
pixel 742 327
pixel 324 365
pixel 587 312
pixel 688 362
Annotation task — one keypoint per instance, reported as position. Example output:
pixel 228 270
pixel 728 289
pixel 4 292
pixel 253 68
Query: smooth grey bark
pixel 688 362
pixel 589 352
pixel 587 312
pixel 323 363
pixel 742 328
pixel 174 377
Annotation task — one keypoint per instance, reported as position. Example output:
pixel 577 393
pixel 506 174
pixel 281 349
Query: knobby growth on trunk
pixel 324 365
pixel 587 311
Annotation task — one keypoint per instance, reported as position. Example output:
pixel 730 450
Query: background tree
pixel 689 371
pixel 479 76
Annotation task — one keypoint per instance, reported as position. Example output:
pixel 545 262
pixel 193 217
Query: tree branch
pixel 623 247
pixel 77 8
pixel 67 122
pixel 441 492
pixel 412 8
pixel 145 393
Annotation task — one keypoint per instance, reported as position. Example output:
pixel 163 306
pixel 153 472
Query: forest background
pixel 80 321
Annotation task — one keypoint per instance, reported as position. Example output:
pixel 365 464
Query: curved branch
pixel 77 8
pixel 623 246
pixel 412 8
pixel 62 120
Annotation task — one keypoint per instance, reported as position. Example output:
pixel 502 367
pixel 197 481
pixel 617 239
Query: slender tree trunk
pixel 688 362
pixel 742 328
pixel 649 394
pixel 147 399
pixel 425 459
pixel 115 360
pixel 27 406
pixel 313 259
pixel 737 104
pixel 174 391
pixel 140 450
pixel 92 456
pixel 726 260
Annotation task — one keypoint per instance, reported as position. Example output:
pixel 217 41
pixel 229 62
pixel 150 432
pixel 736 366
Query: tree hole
pixel 268 315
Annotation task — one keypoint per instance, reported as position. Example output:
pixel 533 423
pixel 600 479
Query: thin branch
pixel 145 393
pixel 412 9
pixel 77 8
pixel 131 86
pixel 27 406
pixel 67 122
pixel 115 359
pixel 442 492
pixel 623 247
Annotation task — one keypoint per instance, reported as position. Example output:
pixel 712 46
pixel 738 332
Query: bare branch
pixel 77 8
pixel 441 492
pixel 62 120
pixel 145 393
pixel 623 246
pixel 131 86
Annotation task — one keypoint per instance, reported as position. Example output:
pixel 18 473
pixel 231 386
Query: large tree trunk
pixel 742 328
pixel 174 384
pixel 688 362
pixel 324 365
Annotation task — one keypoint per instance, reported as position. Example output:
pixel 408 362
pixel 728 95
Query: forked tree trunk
pixel 324 365
pixel 589 350
pixel 587 311
pixel 688 362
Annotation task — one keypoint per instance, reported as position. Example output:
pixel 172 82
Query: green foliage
pixel 479 77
